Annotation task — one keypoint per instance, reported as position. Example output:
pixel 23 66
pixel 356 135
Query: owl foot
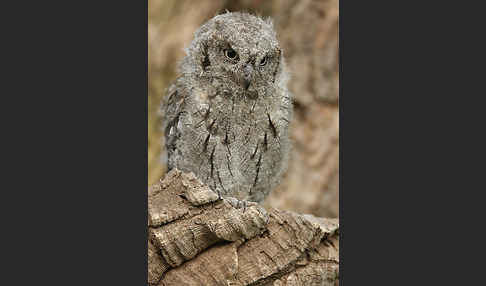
pixel 236 203
pixel 246 220
pixel 196 192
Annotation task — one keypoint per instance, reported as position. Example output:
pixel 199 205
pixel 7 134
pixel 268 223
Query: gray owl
pixel 226 118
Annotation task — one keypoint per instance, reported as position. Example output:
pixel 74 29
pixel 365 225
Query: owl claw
pixel 238 204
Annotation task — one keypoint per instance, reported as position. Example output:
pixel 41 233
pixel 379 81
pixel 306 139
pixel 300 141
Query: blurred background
pixel 308 34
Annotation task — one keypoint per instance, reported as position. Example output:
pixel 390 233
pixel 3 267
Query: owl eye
pixel 230 54
pixel 263 61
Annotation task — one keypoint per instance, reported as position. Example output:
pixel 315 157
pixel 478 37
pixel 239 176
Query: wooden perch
pixel 196 238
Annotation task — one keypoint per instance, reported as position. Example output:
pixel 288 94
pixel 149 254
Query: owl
pixel 226 117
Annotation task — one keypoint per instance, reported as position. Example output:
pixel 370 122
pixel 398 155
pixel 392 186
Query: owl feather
pixel 226 117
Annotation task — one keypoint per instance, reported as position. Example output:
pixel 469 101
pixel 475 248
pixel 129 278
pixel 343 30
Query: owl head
pixel 239 50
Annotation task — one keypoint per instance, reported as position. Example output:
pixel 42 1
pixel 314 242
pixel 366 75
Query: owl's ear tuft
pixel 217 25
pixel 269 22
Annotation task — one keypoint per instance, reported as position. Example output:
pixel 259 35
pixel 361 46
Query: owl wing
pixel 172 108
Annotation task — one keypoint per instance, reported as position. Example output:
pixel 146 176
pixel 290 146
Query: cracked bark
pixel 196 238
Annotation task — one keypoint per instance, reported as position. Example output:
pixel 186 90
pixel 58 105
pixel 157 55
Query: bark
pixel 196 238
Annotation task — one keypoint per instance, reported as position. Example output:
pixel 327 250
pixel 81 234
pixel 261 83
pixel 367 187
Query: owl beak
pixel 247 76
pixel 246 83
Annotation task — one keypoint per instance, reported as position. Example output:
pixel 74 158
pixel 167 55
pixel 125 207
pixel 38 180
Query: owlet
pixel 226 117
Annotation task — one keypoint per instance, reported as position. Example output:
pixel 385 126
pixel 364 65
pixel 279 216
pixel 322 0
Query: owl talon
pixel 239 204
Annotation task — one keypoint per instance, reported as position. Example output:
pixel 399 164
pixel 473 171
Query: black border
pixel 79 144
pixel 77 158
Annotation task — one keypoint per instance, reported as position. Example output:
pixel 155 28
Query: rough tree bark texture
pixel 196 238
pixel 308 33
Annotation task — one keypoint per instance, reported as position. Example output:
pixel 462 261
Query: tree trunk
pixel 196 238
